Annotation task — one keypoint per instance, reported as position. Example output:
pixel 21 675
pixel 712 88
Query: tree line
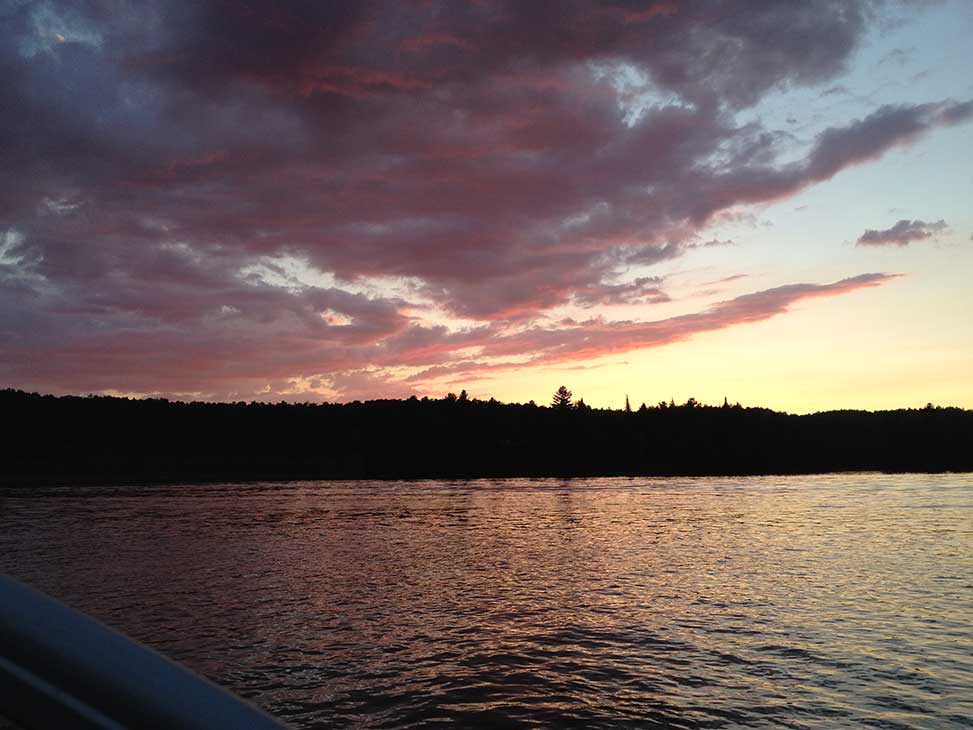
pixel 107 439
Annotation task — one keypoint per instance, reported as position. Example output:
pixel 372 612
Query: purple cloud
pixel 644 290
pixel 231 199
pixel 902 233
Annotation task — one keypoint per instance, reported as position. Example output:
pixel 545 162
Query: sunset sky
pixel 769 201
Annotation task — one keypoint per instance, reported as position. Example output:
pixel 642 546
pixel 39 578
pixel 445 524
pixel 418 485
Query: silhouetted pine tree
pixel 562 398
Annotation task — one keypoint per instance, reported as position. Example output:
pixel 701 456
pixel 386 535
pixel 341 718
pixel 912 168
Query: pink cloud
pixel 479 151
pixel 653 10
pixel 215 359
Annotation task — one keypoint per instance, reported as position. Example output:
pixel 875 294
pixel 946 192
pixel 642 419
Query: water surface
pixel 801 602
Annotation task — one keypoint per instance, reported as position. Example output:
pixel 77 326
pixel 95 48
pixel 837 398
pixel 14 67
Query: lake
pixel 802 602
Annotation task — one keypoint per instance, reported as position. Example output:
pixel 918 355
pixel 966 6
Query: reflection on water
pixel 798 602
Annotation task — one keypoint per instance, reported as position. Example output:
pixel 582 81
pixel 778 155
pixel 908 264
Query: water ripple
pixel 794 602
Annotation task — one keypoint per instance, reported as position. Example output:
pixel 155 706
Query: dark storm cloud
pixel 901 234
pixel 157 155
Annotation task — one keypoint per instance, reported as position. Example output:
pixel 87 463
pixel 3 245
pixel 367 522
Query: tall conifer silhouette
pixel 562 398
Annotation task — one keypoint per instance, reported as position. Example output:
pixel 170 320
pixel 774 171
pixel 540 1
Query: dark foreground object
pixel 61 669
pixel 116 439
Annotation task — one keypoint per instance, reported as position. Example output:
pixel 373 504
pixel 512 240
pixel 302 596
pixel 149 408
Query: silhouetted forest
pixel 73 439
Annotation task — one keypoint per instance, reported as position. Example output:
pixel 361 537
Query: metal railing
pixel 62 669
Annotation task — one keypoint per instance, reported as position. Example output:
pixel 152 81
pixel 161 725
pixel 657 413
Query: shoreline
pixel 104 440
pixel 12 483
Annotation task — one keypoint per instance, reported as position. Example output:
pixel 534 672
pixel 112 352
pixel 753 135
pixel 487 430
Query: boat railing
pixel 60 668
